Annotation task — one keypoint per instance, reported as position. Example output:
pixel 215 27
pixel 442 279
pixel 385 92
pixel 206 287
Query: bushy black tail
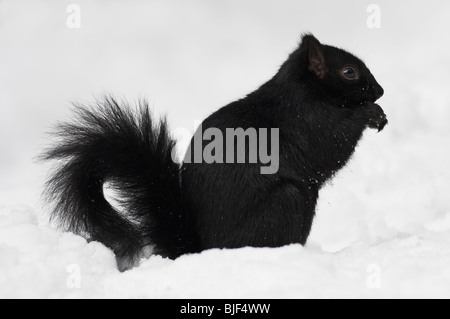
pixel 111 143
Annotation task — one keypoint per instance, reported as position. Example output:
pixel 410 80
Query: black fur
pixel 110 143
pixel 321 116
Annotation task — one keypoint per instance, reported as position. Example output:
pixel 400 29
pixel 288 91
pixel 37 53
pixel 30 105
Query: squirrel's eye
pixel 349 73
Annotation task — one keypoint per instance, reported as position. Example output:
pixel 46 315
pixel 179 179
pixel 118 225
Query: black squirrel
pixel 322 99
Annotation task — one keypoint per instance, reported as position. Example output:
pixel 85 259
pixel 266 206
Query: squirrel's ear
pixel 316 59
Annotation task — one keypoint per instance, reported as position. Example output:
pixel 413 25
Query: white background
pixel 388 208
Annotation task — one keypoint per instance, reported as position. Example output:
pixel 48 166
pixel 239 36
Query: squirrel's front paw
pixel 377 117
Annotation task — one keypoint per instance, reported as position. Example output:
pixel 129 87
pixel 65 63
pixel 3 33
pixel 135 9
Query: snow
pixel 39 261
pixel 383 225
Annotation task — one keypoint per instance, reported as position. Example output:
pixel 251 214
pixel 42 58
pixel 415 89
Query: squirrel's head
pixel 345 77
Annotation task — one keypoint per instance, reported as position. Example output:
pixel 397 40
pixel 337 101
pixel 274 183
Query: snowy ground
pixel 383 225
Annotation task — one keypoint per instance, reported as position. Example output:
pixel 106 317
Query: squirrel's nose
pixel 379 92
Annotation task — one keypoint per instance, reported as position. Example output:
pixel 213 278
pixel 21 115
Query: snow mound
pixel 41 262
